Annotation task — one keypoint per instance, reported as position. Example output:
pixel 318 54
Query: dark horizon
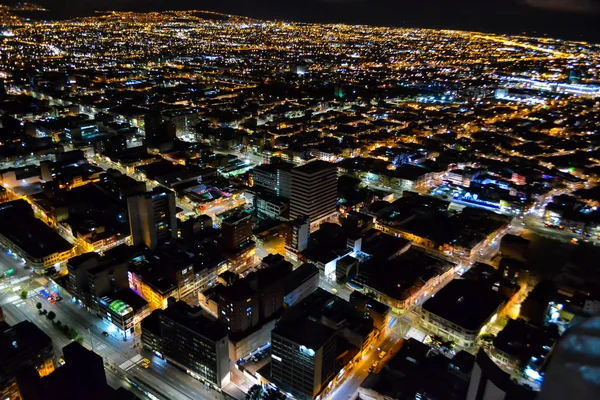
pixel 564 19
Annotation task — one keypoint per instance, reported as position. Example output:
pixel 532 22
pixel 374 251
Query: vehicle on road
pixel 104 333
pixel 382 354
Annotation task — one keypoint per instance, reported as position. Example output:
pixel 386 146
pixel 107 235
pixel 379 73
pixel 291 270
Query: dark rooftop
pixel 192 318
pixel 308 333
pixel 18 339
pixel 373 304
pixel 402 276
pixel 314 167
pixel 30 234
pixel 466 303
pixel 299 276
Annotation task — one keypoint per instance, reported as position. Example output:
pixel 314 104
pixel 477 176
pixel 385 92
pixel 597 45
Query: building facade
pixel 236 232
pixel 297 237
pixel 196 344
pixel 303 357
pixel 152 217
pixel 314 192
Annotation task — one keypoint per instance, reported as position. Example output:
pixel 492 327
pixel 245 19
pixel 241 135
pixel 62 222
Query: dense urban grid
pixel 205 206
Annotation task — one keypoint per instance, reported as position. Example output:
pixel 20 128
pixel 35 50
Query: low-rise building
pixel 489 382
pixel 271 207
pixel 371 308
pixel 461 310
pixel 300 283
pixel 403 280
pixel 38 244
pixel 125 310
pixel 156 276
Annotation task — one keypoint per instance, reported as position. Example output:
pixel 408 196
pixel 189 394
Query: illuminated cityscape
pixel 196 205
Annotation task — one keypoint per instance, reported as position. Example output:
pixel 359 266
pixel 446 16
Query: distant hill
pixel 568 19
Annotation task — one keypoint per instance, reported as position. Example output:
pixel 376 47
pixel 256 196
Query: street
pixel 162 380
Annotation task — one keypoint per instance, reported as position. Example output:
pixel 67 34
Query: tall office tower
pixel 303 357
pixel 314 192
pixel 152 217
pixel 236 232
pixel 297 237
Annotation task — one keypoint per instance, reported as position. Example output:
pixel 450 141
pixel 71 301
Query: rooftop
pixel 19 340
pixel 315 167
pixel 193 319
pixel 403 276
pixel 466 303
pixel 299 276
pixel 306 333
pixel 30 234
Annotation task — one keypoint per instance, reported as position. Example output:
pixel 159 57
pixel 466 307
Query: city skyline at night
pixel 253 202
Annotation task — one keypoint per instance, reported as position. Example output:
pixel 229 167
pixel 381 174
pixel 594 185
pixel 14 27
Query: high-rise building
pixel 297 237
pixel 314 192
pixel 2 90
pixel 284 180
pixel 152 217
pixel 82 376
pixel 22 346
pixel 92 276
pixel 254 299
pixel 239 306
pixel 265 177
pixel 303 357
pixel 236 232
pixel 192 342
pixel 489 382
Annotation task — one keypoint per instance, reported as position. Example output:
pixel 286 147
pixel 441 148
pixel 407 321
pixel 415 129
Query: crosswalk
pixel 127 365
pixel 15 297
pixel 9 299
pixel 19 302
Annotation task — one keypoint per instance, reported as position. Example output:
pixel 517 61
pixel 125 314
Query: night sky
pixel 568 19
